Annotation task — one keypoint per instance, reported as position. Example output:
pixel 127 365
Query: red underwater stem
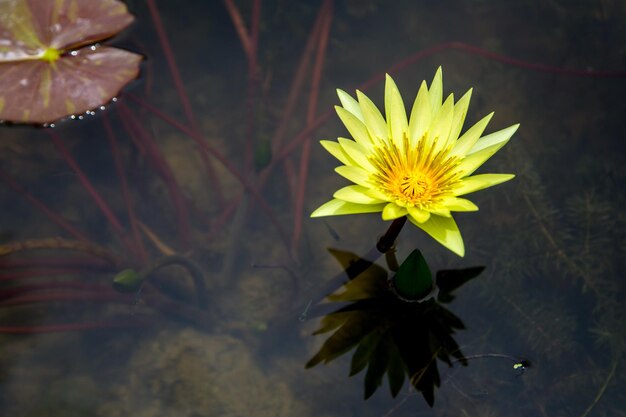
pixel 60 295
pixel 240 27
pixel 84 264
pixel 108 214
pixel 254 28
pixel 474 50
pixel 79 287
pixel 292 98
pixel 182 94
pixel 224 161
pixel 281 152
pixel 42 207
pixel 72 327
pixel 298 80
pixel 38 273
pixel 253 88
pixel 147 143
pixel 300 137
pixel 171 63
pixel 310 118
pixel 139 248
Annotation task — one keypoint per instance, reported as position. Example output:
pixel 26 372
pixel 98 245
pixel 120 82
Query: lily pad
pixel 50 67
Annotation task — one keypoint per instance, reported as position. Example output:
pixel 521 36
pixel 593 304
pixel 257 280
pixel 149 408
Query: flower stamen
pixel 413 176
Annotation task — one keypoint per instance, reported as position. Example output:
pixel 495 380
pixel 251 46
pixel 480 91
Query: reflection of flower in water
pixel 398 326
pixel 416 167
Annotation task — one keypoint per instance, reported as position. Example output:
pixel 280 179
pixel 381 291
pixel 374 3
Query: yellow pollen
pixel 412 175
pixel 414 186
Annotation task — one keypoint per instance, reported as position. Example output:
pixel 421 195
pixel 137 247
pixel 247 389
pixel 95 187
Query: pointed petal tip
pixel 316 214
pixel 323 210
pixel 389 82
pixel 467 94
pixel 342 94
pixel 457 246
pixel 445 231
pixel 360 95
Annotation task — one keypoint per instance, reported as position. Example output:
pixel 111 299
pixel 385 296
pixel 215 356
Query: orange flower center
pixel 414 176
pixel 413 186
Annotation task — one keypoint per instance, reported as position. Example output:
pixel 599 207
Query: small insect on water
pixel 521 366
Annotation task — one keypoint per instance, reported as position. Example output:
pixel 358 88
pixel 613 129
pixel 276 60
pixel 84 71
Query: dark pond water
pixel 552 240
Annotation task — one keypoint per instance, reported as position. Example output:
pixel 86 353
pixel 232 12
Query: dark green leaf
pixel 414 279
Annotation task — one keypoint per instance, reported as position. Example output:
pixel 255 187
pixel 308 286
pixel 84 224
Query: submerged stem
pixel 194 270
pixel 131 280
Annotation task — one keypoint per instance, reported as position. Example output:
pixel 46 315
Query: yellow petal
pixel 393 211
pixel 374 120
pixel 420 115
pixel 472 162
pixel 418 215
pixel 355 174
pixel 480 182
pixel 469 138
pixel 440 126
pixel 338 207
pixel 460 111
pixel 374 193
pixel 484 149
pixel 350 104
pixel 445 231
pixel 335 150
pixel 460 204
pixel 497 138
pixel 357 152
pixel 435 92
pixel 355 194
pixel 356 127
pixel 395 112
pixel 441 211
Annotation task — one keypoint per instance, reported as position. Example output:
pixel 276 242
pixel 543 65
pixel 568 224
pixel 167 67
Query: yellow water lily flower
pixel 416 167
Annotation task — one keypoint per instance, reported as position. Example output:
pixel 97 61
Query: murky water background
pixel 552 240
